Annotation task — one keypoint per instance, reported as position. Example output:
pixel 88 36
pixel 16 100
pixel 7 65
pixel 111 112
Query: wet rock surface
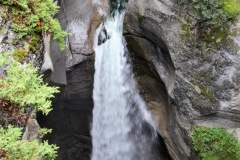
pixel 72 114
pixel 80 19
pixel 207 82
pixel 73 70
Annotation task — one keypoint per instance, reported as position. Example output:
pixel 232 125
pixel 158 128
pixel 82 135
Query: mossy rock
pixel 205 91
pixel 2 29
pixel 34 43
pixel 188 29
pixel 15 41
pixel 202 74
pixel 216 36
pixel 3 11
pixel 19 54
pixel 33 18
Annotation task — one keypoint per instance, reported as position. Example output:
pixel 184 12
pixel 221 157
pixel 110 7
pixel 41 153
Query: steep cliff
pixel 207 73
pixel 27 50
pixel 165 48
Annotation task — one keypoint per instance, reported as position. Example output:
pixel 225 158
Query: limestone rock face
pixel 207 76
pixel 71 117
pixel 146 40
pixel 80 19
pixel 73 68
pixel 201 81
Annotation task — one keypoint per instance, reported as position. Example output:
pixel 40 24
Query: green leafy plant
pixel 31 16
pixel 22 85
pixel 12 147
pixel 215 13
pixel 44 131
pixel 215 143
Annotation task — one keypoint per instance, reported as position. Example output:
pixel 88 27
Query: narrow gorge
pixel 155 41
pixel 137 77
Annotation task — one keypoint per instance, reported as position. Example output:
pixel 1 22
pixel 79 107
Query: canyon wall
pixel 171 63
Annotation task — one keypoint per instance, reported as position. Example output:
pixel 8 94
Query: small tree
pixel 13 148
pixel 22 88
pixel 22 85
pixel 31 16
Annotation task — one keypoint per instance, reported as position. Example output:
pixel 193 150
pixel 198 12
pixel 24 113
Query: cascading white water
pixel 120 117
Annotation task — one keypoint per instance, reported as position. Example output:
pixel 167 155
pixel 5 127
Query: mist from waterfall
pixel 120 129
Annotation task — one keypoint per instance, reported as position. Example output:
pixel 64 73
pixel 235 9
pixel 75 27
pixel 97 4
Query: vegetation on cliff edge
pixel 13 148
pixel 22 92
pixel 215 13
pixel 32 16
pixel 21 84
pixel 210 20
pixel 215 143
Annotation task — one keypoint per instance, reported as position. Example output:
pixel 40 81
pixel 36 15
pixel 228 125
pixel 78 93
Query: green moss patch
pixel 205 91
pixel 203 74
pixel 32 46
pixel 216 35
pixel 2 29
pixel 187 29
pixel 213 18
pixel 232 7
pixel 15 41
pixel 19 55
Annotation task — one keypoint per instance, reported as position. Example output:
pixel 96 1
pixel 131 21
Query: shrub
pixel 216 13
pixel 215 143
pixel 30 16
pixel 11 147
pixel 20 89
pixel 22 85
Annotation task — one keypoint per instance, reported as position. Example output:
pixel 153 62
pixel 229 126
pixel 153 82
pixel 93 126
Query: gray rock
pixel 207 83
pixel 47 61
pixel 32 130
pixel 80 19
pixel 72 114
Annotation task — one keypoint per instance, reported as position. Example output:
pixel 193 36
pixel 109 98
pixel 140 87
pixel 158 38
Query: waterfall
pixel 120 129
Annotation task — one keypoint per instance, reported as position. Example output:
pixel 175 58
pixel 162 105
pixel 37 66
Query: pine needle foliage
pixel 215 143
pixel 13 148
pixel 22 85
pixel 31 16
